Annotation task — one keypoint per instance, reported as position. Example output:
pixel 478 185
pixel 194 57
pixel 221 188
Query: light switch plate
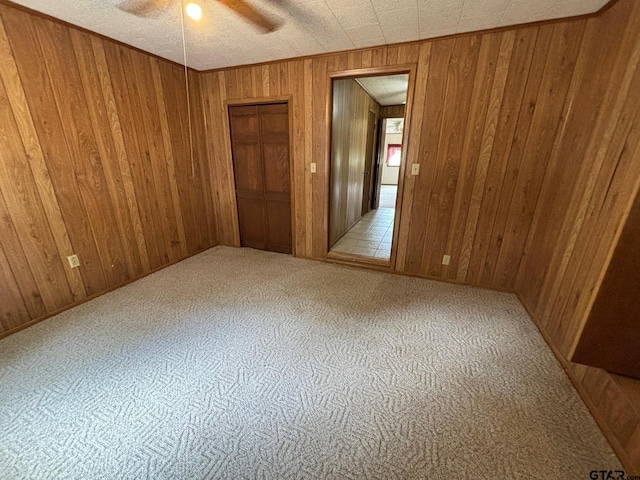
pixel 446 259
pixel 313 168
pixel 415 169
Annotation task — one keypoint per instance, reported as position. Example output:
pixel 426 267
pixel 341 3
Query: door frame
pixel 288 99
pixel 411 70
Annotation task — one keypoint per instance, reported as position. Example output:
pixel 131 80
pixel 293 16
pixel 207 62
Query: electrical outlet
pixel 313 168
pixel 446 260
pixel 415 169
pixel 73 260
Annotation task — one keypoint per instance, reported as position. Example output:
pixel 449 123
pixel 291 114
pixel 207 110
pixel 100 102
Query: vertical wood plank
pixel 320 157
pixel 266 82
pixel 298 161
pixel 308 157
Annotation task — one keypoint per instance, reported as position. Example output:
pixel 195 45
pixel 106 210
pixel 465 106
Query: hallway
pixel 371 236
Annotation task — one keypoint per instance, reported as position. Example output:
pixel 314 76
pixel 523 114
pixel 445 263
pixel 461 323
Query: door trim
pixel 411 70
pixel 288 99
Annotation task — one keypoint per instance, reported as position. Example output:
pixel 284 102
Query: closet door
pixel 260 149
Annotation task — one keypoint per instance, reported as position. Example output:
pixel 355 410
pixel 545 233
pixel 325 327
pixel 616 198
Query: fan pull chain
pixel 186 82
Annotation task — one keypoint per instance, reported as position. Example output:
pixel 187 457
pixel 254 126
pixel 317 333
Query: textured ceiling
pixel 222 39
pixel 386 89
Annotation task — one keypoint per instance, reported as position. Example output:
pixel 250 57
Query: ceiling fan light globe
pixel 194 11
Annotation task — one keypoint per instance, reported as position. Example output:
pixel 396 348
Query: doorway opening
pixel 367 143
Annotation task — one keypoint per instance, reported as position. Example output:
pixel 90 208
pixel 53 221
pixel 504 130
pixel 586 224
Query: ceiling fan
pixel 153 8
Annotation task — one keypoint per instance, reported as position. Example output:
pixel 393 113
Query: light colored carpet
pixel 241 364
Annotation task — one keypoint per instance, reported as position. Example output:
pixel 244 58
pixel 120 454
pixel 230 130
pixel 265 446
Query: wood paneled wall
pixel 485 111
pixel 528 158
pixel 590 181
pixel 94 161
pixel 351 107
pixel 392 111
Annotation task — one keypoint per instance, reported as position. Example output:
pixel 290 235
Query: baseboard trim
pixel 362 262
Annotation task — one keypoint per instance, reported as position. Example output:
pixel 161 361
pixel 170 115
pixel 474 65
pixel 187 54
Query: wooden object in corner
pixel 611 336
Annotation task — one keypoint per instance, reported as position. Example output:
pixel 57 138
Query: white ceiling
pixel 386 89
pixel 221 39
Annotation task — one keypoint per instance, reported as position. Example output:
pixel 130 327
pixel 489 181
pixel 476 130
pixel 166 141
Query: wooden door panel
pixel 279 226
pixel 276 167
pixel 251 216
pixel 274 118
pixel 274 123
pixel 260 148
pixel 282 197
pixel 248 167
pixel 245 128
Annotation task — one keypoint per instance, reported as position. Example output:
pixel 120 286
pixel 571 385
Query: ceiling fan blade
pixel 145 8
pixel 252 15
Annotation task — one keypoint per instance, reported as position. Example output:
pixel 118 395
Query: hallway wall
pixel 351 107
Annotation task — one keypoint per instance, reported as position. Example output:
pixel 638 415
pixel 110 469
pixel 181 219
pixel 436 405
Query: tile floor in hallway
pixel 371 236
